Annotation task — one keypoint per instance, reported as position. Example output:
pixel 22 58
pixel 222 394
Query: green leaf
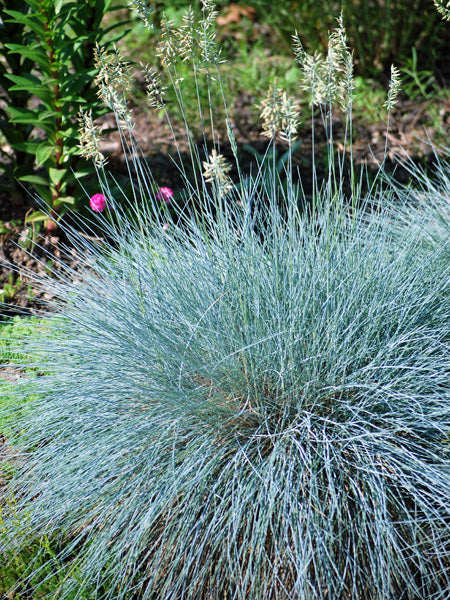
pixel 27 116
pixel 36 217
pixel 83 173
pixel 44 192
pixel 28 147
pixel 57 175
pixel 31 84
pixel 34 179
pixel 69 132
pixel 23 115
pixel 30 21
pixel 43 152
pixel 58 5
pixel 77 83
pixel 26 79
pixel 118 24
pixel 63 200
pixel 34 54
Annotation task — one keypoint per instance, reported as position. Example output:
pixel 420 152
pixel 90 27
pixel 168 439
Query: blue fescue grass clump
pixel 425 206
pixel 248 406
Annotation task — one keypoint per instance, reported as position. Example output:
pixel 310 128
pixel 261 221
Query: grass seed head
pixel 114 79
pixel 279 115
pixel 144 10
pixel 216 170
pixel 443 8
pixel 329 79
pixel 394 88
pixel 154 88
pixel 89 139
pixel 167 48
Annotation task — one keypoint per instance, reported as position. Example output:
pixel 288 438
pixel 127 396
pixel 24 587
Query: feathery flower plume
pixel 337 44
pixel 193 40
pixel 216 172
pixel 168 47
pixel 114 79
pixel 210 51
pixel 279 115
pixel 394 88
pixel 114 70
pixel 89 139
pixel 344 65
pixel 443 8
pixel 186 34
pixel 313 69
pixel 331 78
pixel 154 88
pixel 143 9
pixel 334 64
pixel 347 83
pixel 232 138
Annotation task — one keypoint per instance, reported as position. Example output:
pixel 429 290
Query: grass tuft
pixel 258 415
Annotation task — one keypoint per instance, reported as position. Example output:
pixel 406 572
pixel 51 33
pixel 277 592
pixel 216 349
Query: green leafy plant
pixel 39 557
pixel 13 32
pixel 48 48
pixel 8 289
pixel 13 333
pixel 250 401
pixel 369 100
pixel 418 83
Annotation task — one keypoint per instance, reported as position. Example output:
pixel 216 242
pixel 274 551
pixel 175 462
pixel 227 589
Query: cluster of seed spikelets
pixel 154 87
pixel 216 172
pixel 279 115
pixel 328 80
pixel 90 139
pixel 443 8
pixel 114 79
pixel 193 41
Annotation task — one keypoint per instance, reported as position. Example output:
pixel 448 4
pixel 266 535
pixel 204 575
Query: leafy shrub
pixel 37 556
pixel 249 402
pixel 15 336
pixel 47 50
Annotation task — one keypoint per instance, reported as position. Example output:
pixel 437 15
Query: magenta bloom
pixel 165 193
pixel 98 202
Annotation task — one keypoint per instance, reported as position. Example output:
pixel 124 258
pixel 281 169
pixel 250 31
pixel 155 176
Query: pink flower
pixel 98 202
pixel 165 193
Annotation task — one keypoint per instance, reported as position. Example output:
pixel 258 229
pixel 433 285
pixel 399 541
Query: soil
pixel 23 249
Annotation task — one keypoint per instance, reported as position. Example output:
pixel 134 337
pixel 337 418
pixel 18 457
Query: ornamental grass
pixel 249 401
